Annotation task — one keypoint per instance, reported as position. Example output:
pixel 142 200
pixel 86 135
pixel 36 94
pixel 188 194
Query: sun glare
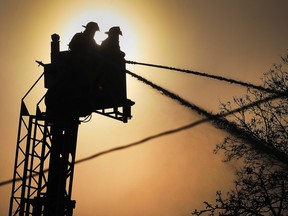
pixel 106 19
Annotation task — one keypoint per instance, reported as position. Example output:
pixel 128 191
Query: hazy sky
pixel 169 176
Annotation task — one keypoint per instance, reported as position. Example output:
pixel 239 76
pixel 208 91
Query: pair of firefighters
pixel 93 76
pixel 84 41
pixel 97 72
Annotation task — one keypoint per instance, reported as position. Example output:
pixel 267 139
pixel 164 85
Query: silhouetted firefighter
pixel 84 41
pixel 84 79
pixel 110 46
pixel 110 49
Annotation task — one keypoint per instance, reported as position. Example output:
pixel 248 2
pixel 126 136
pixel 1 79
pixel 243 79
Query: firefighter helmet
pixel 114 31
pixel 92 26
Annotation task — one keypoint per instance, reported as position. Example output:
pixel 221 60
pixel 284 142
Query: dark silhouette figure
pixel 84 71
pixel 113 83
pixel 110 46
pixel 84 41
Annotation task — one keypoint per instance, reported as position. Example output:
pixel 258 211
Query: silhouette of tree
pixel 258 191
pixel 261 183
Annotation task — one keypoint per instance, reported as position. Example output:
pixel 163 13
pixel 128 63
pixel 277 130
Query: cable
pixel 218 118
pixel 179 129
pixel 222 123
pixel 170 94
pixel 221 78
pixel 172 131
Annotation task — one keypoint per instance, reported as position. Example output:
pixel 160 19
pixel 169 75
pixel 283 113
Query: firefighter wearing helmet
pixel 110 46
pixel 84 41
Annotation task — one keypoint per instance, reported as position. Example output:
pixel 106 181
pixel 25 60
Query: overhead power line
pixel 221 78
pixel 222 123
pixel 218 120
pixel 164 133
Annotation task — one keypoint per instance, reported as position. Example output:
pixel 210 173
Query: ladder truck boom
pixel 77 86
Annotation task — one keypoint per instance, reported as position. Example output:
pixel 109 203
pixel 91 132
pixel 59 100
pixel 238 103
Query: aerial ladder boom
pixel 47 140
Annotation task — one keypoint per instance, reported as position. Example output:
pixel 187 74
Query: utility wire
pixel 219 122
pixel 155 136
pixel 217 119
pixel 179 129
pixel 221 78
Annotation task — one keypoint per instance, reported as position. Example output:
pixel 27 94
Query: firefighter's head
pixel 114 31
pixel 91 27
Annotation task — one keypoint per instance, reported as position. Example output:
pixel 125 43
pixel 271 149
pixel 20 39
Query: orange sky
pixel 168 176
